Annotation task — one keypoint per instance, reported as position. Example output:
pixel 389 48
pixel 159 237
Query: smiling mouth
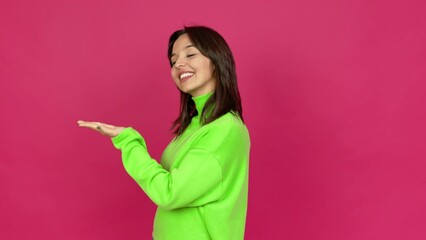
pixel 185 75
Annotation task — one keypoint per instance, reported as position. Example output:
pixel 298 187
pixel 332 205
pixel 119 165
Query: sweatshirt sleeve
pixel 196 182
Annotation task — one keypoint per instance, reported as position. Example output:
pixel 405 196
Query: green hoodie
pixel 201 185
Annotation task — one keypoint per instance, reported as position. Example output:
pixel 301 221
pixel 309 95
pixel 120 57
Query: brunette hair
pixel 226 97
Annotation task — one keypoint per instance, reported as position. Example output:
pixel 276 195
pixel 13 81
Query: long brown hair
pixel 226 97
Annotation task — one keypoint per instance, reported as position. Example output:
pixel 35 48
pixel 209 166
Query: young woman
pixel 200 187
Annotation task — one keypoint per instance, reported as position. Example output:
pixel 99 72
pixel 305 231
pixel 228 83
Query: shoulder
pixel 227 122
pixel 225 137
pixel 228 129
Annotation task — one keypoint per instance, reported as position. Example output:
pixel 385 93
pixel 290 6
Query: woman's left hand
pixel 103 128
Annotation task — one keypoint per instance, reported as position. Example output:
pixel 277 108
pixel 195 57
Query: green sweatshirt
pixel 201 185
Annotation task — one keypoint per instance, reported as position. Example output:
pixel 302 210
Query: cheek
pixel 208 65
pixel 173 73
pixel 211 70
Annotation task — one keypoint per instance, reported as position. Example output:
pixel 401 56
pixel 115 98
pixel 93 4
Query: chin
pixel 187 91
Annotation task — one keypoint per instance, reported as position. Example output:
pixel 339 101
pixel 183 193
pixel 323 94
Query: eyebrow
pixel 190 45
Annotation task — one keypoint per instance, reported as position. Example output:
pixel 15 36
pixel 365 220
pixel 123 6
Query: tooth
pixel 185 75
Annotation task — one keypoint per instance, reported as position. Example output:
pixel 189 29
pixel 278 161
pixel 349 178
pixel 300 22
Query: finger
pixel 83 123
pixel 104 126
pixel 92 125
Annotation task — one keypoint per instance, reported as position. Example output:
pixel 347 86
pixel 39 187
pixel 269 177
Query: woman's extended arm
pixel 195 183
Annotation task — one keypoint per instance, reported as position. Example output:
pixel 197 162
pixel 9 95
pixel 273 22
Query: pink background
pixel 333 95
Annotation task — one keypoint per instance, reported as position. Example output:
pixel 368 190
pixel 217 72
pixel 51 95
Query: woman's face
pixel 191 71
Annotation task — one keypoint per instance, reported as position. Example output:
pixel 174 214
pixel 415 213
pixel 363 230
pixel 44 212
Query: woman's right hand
pixel 103 128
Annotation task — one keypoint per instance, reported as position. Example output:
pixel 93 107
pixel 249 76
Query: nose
pixel 180 63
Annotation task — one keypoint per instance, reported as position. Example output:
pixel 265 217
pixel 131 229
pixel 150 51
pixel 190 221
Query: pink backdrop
pixel 333 95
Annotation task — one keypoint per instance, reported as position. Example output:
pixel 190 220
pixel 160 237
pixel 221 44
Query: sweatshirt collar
pixel 200 101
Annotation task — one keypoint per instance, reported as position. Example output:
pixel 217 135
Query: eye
pixel 190 55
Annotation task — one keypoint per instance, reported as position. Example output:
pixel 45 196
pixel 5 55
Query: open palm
pixel 103 128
